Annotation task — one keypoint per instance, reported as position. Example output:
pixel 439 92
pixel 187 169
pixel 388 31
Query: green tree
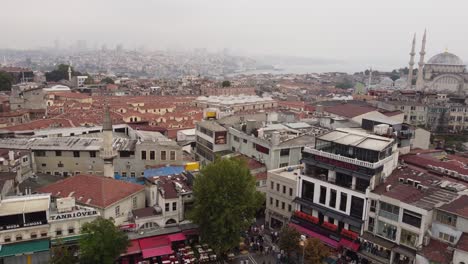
pixel 225 203
pixel 62 254
pixel 346 83
pixel 102 242
pixel 60 73
pixel 315 251
pixel 89 80
pixel 107 80
pixel 5 81
pixel 226 84
pixel 289 240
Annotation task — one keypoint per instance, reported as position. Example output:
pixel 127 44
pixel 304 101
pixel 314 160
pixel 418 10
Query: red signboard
pixel 330 226
pixel 349 234
pixel 307 217
pixel 337 163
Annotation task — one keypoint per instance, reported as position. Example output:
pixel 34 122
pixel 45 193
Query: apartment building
pixel 344 166
pixel 281 191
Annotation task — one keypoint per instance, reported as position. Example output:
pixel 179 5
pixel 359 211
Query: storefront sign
pixel 77 214
pixel 21 225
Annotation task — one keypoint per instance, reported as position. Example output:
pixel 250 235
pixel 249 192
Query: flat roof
pixel 388 121
pixel 357 138
pixel 212 126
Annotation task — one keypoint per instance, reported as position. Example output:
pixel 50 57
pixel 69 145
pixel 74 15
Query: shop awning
pixel 67 240
pixel 22 248
pixel 134 248
pixel 176 237
pixel 156 252
pixel 190 232
pixel 328 241
pixel 377 240
pixel 349 244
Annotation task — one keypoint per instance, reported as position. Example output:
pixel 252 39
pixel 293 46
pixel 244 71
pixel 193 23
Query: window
pixel 331 220
pixel 357 207
pixel 447 237
pixel 236 138
pixel 43 165
pixel 71 230
pixel 7 239
pixel 19 237
pixel 283 205
pixel 58 153
pixel 166 207
pixel 284 189
pixel 290 192
pixel 173 155
pixel 371 224
pixel 92 154
pixel 332 202
pixel 33 235
pixel 174 206
pixel 373 204
pixel 386 230
pixel 163 155
pixel 60 165
pixel 272 185
pixel 58 232
pixel 124 174
pixel 277 187
pixel 389 211
pixel 152 155
pixel 308 190
pixel 271 200
pixel 409 238
pixel 277 203
pixel 43 234
pixel 323 194
pixel 40 153
pixel 343 202
pixel 134 202
pixel 412 218
pixel 446 218
pixel 117 211
pixel 76 154
pixel 284 152
pixel 289 208
pixel 285 164
pixel 143 154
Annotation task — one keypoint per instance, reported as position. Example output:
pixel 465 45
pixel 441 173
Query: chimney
pixel 275 138
pixel 11 155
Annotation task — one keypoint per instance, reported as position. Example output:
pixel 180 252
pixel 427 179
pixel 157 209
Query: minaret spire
pixel 420 80
pixel 107 152
pixel 411 62
pixel 69 73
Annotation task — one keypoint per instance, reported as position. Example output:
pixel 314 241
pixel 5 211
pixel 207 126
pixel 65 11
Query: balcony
pixel 366 164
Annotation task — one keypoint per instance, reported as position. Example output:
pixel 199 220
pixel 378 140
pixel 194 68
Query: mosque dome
pixel 446 58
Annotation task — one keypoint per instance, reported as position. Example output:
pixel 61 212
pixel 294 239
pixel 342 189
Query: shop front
pixel 33 251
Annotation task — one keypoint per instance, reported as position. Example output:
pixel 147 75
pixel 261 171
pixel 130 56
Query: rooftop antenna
pixel 4 61
pixel 370 79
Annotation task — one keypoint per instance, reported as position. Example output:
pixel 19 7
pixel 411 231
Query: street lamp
pixel 303 244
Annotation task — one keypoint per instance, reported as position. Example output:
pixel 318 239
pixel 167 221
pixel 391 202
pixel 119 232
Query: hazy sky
pixel 364 31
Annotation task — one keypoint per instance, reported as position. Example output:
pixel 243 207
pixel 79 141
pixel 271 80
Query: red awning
pixel 349 244
pixel 155 252
pixel 134 248
pixel 154 242
pixel 176 237
pixel 330 242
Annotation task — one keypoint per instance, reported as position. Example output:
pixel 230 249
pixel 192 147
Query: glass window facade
pixel 386 230
pixel 308 190
pixel 389 211
pixel 409 238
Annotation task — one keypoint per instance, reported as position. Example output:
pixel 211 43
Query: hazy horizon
pixel 362 33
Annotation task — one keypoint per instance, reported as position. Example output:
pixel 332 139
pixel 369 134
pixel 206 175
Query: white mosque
pixel 444 72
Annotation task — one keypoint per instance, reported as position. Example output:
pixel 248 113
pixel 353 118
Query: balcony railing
pixel 361 163
pixel 388 215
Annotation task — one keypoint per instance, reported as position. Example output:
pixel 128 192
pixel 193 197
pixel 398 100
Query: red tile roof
pixel 463 242
pixel 349 110
pixel 458 206
pixel 98 191
pixel 424 161
pixel 437 252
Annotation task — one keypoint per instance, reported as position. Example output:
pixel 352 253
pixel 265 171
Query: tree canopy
pixel 345 84
pixel 226 84
pixel 315 251
pixel 6 80
pixel 107 80
pixel 225 203
pixel 60 73
pixel 289 239
pixel 102 242
pixel 62 254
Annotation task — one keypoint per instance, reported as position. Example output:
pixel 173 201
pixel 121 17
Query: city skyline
pixel 358 33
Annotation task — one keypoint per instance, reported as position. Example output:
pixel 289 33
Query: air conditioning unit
pixel 388 187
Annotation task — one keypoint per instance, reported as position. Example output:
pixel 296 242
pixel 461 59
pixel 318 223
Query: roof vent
pixel 388 187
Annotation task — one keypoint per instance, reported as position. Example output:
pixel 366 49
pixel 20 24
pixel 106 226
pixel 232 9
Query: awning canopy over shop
pixel 176 237
pixel 330 242
pixel 22 248
pixel 156 252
